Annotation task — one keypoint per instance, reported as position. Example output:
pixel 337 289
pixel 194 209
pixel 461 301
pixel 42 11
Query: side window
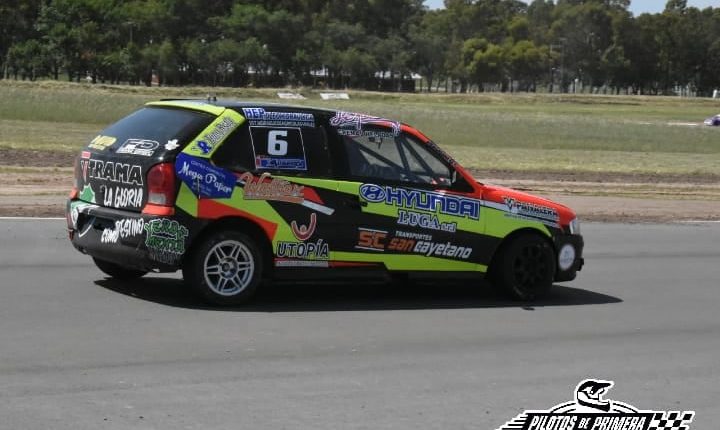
pixel 377 154
pixel 289 151
pixel 236 152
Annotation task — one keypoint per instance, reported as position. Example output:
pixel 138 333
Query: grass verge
pixel 516 132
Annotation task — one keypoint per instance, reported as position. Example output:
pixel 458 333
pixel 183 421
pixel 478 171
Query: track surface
pixel 78 351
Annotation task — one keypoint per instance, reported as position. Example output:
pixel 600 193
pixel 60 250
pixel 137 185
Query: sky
pixel 636 6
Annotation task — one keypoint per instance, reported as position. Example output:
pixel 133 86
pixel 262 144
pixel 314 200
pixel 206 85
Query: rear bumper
pixel 576 243
pixel 117 236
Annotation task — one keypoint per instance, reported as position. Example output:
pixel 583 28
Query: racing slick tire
pixel 225 269
pixel 526 268
pixel 118 272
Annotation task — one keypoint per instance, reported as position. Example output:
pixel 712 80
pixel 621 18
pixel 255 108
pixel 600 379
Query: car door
pixel 282 159
pixel 406 211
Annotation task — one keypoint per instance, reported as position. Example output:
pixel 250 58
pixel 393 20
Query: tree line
pixel 470 45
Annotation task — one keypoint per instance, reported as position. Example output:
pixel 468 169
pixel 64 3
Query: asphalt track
pixel 79 351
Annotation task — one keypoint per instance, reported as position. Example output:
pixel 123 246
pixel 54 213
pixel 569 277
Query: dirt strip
pixel 42 192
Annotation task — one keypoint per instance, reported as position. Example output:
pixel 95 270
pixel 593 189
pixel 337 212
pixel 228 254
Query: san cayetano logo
pixel 591 411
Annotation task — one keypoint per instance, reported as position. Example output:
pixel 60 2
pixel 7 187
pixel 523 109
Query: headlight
pixel 574 226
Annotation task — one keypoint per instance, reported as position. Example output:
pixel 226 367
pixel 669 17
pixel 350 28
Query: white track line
pixel 27 218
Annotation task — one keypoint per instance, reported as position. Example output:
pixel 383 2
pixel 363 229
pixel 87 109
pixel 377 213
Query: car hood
pixel 527 204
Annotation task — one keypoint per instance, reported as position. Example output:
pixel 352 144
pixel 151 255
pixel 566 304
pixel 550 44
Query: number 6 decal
pixel 277 146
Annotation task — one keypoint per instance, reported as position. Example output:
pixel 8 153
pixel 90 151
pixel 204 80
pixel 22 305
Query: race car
pixel 713 120
pixel 235 194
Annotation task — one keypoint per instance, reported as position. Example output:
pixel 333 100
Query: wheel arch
pixel 497 254
pixel 244 225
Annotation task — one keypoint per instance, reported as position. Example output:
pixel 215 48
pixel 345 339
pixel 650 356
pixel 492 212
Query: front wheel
pixel 225 269
pixel 526 268
pixel 118 272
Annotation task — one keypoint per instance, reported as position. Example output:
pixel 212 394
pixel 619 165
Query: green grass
pixel 483 131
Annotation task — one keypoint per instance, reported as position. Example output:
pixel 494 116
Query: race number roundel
pixel 278 148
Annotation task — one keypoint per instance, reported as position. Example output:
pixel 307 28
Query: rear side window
pixel 289 151
pixel 151 132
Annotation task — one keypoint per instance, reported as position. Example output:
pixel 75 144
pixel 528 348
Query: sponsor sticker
pixel 532 210
pixel 265 162
pixel 412 243
pixel 266 187
pixel 215 136
pixel 591 411
pixel 172 145
pixel 259 116
pixel 101 142
pixel 165 239
pixel 304 232
pixel 429 201
pixel 424 220
pixel 87 194
pixel 278 148
pixel 109 171
pixel 124 228
pixel 204 179
pixel 566 257
pixel 355 124
pixel 318 250
pixel 121 197
pixel 143 147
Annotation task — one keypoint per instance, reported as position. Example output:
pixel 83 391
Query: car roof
pixel 236 104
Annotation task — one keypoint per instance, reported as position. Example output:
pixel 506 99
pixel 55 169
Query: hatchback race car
pixel 234 194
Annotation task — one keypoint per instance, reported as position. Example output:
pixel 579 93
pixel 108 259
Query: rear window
pixel 151 132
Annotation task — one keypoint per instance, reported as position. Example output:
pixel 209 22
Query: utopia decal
pixel 422 220
pixel 352 124
pixel 121 197
pixel 204 179
pixel 219 132
pixel 143 147
pixel 590 411
pixel 165 239
pixel 123 229
pixel 305 250
pixel 422 200
pixel 415 243
pixel 531 210
pixel 304 232
pixel 101 142
pixel 267 188
pixel 259 116
pixel 109 171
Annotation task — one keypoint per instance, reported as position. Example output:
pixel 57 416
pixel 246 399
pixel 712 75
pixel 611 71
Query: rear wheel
pixel 117 271
pixel 526 267
pixel 225 269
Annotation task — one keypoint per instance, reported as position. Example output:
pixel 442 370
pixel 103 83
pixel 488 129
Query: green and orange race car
pixel 236 193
